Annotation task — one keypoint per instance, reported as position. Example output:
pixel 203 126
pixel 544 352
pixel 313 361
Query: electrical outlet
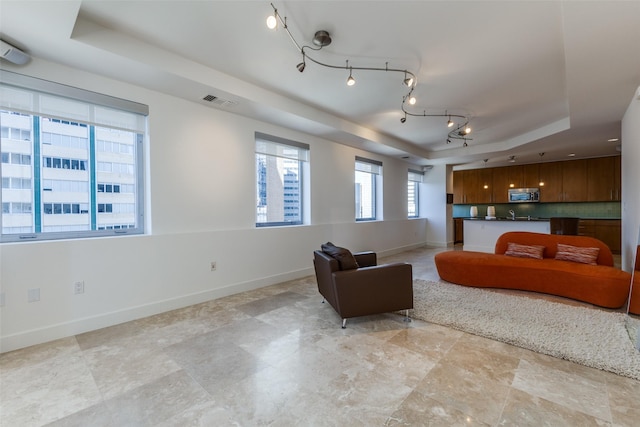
pixel 78 287
pixel 33 295
pixel 213 266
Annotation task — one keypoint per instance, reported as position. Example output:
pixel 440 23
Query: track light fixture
pixel 350 81
pixel 301 65
pixel 322 38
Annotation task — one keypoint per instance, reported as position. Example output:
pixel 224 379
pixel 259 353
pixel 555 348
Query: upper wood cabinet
pixel 531 175
pixel 574 180
pixel 503 179
pixel 592 180
pixel 550 182
pixel 458 187
pixel 603 179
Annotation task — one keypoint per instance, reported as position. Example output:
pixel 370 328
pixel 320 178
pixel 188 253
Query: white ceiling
pixel 534 76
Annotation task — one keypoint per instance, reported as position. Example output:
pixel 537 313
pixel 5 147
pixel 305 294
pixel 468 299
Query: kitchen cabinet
pixel 574 179
pixel 550 182
pixel 503 179
pixel 458 230
pixel 584 180
pixel 472 186
pixel 603 179
pixel 607 230
pixel 531 175
pixel 458 187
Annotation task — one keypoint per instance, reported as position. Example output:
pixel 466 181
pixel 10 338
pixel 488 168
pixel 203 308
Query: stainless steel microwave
pixel 524 195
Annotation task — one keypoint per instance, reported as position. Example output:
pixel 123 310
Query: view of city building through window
pixel 65 178
pixel 279 181
pixel 367 174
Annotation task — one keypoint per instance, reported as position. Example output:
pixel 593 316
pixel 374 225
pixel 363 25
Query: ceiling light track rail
pixel 322 38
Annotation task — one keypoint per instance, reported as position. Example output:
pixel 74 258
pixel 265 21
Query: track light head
pixel 467 130
pixel 403 119
pixel 272 21
pixel 412 100
pixel 301 66
pixel 448 141
pixel 449 123
pixel 465 144
pixel 350 81
pixel 408 81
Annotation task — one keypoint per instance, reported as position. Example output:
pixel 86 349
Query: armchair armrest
pixel 366 259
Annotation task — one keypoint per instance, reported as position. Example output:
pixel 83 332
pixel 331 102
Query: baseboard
pixel 92 323
pixel 400 249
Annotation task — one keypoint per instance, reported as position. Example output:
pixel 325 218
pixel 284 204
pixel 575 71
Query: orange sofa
pixel 601 284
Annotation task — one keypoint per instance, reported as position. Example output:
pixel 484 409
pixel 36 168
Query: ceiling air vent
pixel 219 101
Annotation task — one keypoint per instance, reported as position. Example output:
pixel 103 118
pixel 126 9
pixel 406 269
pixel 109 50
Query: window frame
pixel 273 146
pixel 414 178
pixel 374 169
pixel 101 112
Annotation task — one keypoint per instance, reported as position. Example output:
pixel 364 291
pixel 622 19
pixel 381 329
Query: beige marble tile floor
pixel 277 356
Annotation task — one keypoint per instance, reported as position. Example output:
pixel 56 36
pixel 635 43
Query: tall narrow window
pixel 413 193
pixel 53 137
pixel 280 180
pixel 367 180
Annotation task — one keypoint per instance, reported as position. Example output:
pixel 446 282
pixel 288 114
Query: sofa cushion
pixel 344 256
pixel 524 251
pixel 577 254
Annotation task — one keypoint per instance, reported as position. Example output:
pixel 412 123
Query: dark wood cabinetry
pixel 531 175
pixel 504 179
pixel 603 179
pixel 458 230
pixel 574 179
pixel 607 230
pixel 550 176
pixel 585 180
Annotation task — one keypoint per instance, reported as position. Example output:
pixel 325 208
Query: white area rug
pixel 587 336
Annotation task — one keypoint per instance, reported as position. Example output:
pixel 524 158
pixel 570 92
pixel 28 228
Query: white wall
pixel 630 180
pixel 440 223
pixel 201 193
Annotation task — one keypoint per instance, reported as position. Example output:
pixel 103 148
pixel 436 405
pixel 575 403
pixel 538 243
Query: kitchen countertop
pixel 501 218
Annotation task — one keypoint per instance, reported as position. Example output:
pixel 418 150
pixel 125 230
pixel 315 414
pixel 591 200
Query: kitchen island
pixel 481 234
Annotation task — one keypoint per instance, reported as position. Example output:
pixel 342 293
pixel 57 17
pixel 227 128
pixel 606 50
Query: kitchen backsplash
pixel 546 210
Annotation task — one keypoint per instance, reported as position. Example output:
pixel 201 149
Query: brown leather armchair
pixel 368 289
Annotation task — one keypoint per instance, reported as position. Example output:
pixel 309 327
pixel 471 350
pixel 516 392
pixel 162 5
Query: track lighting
pixel 301 65
pixel 350 81
pixel 408 81
pixel 272 21
pixel 322 39
pixel 464 144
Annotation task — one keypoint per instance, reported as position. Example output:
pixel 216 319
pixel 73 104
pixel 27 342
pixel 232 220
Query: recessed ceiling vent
pixel 219 101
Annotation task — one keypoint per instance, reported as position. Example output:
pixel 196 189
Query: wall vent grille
pixel 219 101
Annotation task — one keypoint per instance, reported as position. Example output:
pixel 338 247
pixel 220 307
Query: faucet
pixel 513 214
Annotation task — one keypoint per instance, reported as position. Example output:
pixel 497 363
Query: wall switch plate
pixel 33 295
pixel 78 287
pixel 213 266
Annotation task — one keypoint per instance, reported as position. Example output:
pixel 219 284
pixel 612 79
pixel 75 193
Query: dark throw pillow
pixel 345 258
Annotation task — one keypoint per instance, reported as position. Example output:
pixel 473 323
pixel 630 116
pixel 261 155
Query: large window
pixel 280 180
pixel 368 181
pixel 413 193
pixel 71 161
